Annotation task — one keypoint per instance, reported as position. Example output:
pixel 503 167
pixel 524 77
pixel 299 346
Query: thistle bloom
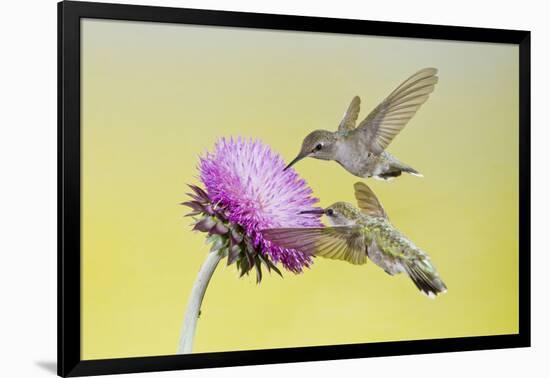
pixel 248 190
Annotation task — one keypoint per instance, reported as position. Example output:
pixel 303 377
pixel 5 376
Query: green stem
pixel 187 335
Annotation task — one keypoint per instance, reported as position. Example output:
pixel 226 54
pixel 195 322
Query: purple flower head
pixel 246 179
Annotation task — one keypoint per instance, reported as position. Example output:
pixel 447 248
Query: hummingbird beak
pixel 296 159
pixel 316 211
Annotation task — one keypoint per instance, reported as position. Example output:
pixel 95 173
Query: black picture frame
pixel 69 342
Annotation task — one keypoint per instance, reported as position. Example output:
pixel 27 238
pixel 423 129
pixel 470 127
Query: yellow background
pixel 156 96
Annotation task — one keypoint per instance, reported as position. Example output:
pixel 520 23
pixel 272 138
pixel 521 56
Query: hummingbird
pixel 359 234
pixel 361 150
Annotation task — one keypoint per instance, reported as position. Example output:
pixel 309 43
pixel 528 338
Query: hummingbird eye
pixel 318 147
pixel 329 212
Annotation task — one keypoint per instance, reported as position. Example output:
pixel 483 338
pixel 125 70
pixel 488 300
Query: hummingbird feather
pixel 424 276
pixel 338 243
pixel 367 201
pixel 350 116
pixel 391 115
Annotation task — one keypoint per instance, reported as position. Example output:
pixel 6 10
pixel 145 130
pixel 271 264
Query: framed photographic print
pixel 239 188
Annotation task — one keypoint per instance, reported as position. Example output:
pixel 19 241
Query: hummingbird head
pixel 339 213
pixel 319 144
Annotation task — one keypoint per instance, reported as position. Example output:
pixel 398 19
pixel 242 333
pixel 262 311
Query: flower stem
pixel 185 345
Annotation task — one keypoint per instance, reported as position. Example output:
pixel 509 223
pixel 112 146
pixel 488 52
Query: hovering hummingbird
pixel 360 233
pixel 361 150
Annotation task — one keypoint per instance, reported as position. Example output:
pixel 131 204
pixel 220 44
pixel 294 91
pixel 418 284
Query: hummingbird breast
pixel 356 159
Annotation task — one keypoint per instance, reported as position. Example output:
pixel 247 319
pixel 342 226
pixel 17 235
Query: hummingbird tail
pixel 425 277
pixel 413 172
pixel 395 171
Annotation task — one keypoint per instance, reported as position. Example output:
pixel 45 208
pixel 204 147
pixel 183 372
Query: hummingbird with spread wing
pixel 361 150
pixel 359 234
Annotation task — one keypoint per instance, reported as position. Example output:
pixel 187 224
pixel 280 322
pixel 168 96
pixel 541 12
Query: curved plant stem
pixel 185 345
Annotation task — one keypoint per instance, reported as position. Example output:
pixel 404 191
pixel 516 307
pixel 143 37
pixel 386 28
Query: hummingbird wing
pixel 338 243
pixel 350 116
pixel 392 114
pixel 367 201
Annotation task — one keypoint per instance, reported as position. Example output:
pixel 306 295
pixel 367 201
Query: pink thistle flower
pixel 248 190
